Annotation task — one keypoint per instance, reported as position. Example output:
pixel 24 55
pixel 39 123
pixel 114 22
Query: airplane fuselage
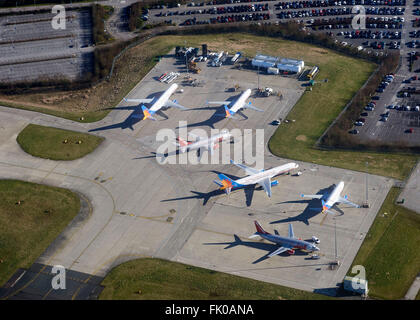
pixel 333 198
pixel 163 98
pixel 270 173
pixel 239 103
pixel 290 242
pixel 212 140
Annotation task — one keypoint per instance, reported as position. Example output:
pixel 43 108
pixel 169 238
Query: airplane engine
pixel 274 183
pixel 291 251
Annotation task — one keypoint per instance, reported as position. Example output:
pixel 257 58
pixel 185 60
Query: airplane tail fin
pixel 259 228
pixel 226 183
pixel 259 232
pixel 228 112
pixel 147 113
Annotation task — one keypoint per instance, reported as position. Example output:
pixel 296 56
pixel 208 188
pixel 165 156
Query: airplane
pixel 201 144
pixel 289 243
pixel 236 105
pixel 162 102
pixel 255 176
pixel 332 199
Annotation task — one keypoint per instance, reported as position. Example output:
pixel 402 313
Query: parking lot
pixel 30 48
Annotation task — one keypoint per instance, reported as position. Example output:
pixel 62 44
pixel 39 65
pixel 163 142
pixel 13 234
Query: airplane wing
pixel 344 200
pixel 266 184
pixel 313 196
pixel 139 100
pixel 210 148
pixel 278 251
pixel 219 102
pixel 250 106
pixel 248 170
pixel 173 104
pixel 291 233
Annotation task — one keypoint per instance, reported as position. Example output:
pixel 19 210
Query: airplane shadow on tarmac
pixel 206 196
pixel 312 209
pixel 248 190
pixel 135 117
pixel 269 247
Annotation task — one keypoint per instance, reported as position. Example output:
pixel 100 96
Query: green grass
pixel 316 110
pixel 390 251
pixel 26 229
pixel 84 117
pixel 49 143
pixel 165 280
pixel 313 112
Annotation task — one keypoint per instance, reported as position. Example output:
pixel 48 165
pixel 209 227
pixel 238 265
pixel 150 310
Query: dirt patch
pixel 301 138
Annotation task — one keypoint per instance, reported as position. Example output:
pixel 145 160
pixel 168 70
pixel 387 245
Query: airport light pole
pixel 186 63
pixel 367 186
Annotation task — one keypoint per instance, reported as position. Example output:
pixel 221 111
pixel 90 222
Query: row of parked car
pixel 241 8
pixel 309 4
pixel 404 108
pixel 334 3
pixel 382 2
pixel 369 34
pixel 385 11
pixel 218 10
pixel 313 13
pixel 371 106
pixel 241 17
pixel 413 44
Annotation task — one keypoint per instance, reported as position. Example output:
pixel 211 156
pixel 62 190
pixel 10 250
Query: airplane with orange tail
pixel 330 200
pixel 236 105
pixel 289 243
pixel 255 176
pixel 157 104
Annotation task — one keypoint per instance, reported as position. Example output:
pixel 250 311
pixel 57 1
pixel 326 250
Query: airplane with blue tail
pixel 236 105
pixel 331 200
pixel 255 176
pixel 157 104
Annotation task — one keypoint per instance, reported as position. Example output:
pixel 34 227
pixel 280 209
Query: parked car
pixel 364 114
pixel 354 131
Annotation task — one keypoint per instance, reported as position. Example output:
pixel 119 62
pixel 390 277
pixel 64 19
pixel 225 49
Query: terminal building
pixel 275 64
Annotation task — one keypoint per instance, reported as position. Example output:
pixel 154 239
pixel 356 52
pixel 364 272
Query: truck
pixel 235 58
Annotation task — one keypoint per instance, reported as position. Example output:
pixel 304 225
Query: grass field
pixel 313 112
pixel 26 229
pixel 56 144
pixel 165 280
pixel 390 251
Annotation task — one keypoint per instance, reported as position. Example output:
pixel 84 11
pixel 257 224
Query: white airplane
pixel 201 144
pixel 329 200
pixel 261 177
pixel 162 102
pixel 289 243
pixel 236 105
